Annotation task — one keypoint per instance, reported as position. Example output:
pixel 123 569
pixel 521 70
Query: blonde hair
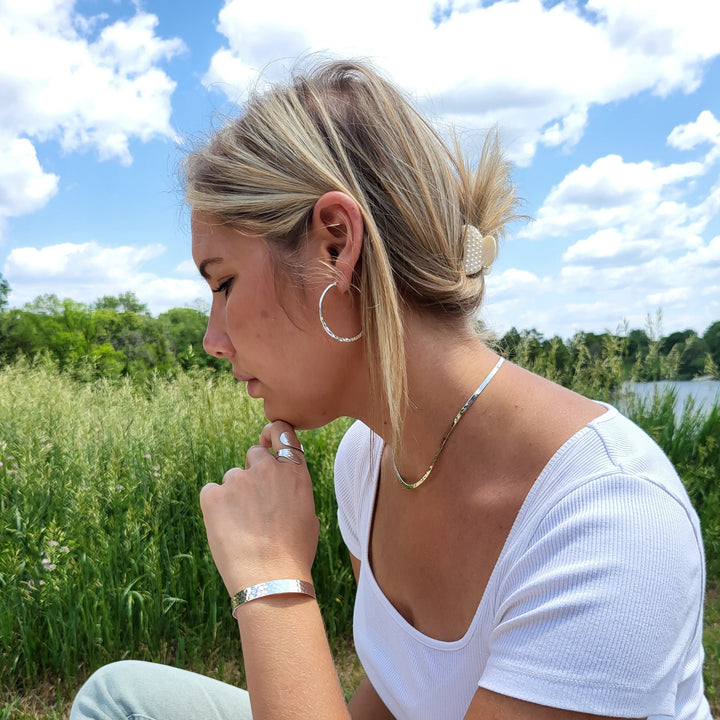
pixel 342 126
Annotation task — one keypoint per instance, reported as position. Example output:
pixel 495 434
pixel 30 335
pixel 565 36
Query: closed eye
pixel 224 287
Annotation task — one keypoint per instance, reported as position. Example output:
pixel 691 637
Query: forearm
pixel 289 669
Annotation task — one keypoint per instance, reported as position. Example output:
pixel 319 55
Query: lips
pixel 253 387
pixel 252 383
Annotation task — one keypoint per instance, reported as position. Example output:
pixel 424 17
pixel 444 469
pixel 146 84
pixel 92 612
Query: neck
pixel 444 367
pixel 458 416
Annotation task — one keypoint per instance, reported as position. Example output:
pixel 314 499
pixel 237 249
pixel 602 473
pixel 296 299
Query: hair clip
pixel 480 252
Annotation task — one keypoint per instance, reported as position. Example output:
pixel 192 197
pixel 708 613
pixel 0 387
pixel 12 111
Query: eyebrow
pixel 202 267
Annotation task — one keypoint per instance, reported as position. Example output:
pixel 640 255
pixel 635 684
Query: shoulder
pixel 600 587
pixel 613 478
pixel 609 444
pixel 609 526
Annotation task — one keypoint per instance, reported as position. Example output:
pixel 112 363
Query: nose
pixel 216 341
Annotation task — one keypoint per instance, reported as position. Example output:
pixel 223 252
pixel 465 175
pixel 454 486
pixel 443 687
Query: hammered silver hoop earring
pixel 339 338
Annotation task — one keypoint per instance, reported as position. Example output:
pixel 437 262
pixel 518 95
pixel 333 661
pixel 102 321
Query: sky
pixel 609 110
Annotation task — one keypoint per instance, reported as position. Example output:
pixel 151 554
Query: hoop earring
pixel 339 338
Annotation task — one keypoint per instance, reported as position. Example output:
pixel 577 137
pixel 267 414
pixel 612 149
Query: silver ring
pixel 288 454
pixel 284 440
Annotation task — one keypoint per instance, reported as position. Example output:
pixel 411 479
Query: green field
pixel 103 553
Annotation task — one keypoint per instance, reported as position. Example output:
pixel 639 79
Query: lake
pixel 705 393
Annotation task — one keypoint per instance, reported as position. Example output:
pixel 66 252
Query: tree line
pixel 608 359
pixel 117 336
pixel 113 337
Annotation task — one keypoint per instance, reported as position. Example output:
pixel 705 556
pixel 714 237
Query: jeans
pixel 134 690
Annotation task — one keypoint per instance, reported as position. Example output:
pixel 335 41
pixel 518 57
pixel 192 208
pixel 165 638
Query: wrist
pixel 285 586
pixel 245 576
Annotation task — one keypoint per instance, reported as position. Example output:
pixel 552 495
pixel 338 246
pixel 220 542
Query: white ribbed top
pixel 594 605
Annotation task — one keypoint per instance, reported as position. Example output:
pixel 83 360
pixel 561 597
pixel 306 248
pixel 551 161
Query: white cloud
pixel 655 33
pixel 670 297
pixel 612 192
pixel 637 234
pixel 78 261
pixel 131 46
pixel 86 93
pixel 507 284
pixel 533 70
pixel 600 299
pixel 88 271
pixel 57 83
pixel 569 130
pixel 608 247
pixel 598 295
pixel 704 130
pixel 186 268
pixel 645 248
pixel 24 185
pixel 704 258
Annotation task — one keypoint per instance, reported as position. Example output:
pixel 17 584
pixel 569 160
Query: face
pixel 283 355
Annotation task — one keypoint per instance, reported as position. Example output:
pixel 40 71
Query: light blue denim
pixel 134 690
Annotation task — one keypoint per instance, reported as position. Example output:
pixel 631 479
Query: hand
pixel 261 523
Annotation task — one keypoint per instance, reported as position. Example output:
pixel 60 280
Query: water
pixel 705 393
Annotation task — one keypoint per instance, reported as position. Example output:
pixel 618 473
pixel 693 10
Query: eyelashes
pixel 224 287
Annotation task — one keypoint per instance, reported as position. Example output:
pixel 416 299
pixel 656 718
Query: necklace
pixel 456 420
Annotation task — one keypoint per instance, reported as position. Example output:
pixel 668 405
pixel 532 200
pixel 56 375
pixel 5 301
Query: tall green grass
pixel 103 553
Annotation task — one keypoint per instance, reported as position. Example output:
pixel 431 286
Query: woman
pixel 521 551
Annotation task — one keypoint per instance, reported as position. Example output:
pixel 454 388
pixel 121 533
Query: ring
pixel 288 454
pixel 284 437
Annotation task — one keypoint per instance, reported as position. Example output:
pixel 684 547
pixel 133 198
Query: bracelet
pixel 273 587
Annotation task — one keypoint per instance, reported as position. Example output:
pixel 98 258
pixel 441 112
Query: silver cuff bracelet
pixel 272 587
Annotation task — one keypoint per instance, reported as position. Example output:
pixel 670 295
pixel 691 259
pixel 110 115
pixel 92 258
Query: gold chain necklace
pixel 456 420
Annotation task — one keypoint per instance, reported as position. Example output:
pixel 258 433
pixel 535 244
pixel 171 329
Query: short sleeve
pixel 602 605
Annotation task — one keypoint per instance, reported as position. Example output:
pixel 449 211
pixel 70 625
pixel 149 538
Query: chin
pixel 299 420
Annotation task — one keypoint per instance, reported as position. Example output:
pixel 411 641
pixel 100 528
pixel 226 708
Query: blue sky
pixel 610 110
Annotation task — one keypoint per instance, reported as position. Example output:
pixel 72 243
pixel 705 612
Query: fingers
pixel 278 443
pixel 291 454
pixel 261 521
pixel 279 437
pixel 256 455
pixel 208 492
pixel 289 439
pixel 231 473
pixel 279 434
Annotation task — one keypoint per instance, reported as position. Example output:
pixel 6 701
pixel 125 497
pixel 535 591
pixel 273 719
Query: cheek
pixel 255 325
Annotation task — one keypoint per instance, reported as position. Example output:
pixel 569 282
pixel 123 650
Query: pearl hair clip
pixel 480 252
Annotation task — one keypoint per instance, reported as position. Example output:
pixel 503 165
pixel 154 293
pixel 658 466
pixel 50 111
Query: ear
pixel 336 231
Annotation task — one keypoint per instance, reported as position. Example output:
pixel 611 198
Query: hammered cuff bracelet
pixel 273 587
